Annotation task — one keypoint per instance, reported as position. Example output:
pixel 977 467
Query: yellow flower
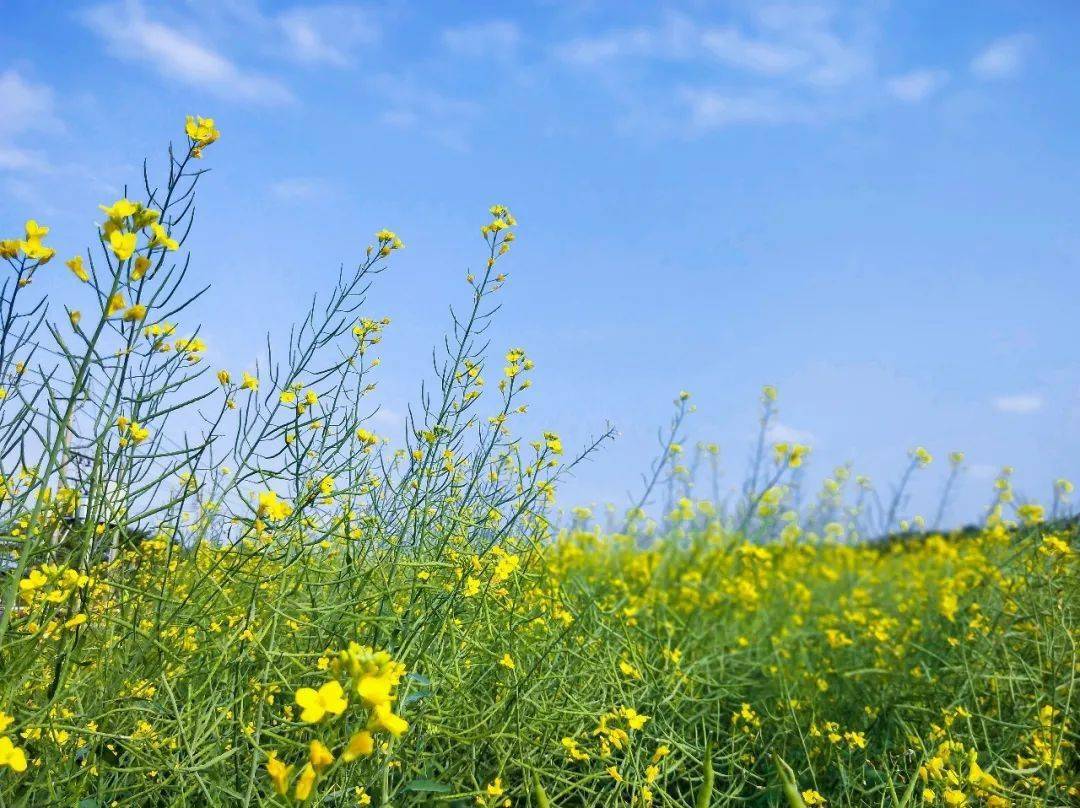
pixel 304 783
pixel 495 788
pixel 330 698
pixel 202 133
pixel 954 797
pixel 287 397
pixel 507 662
pixel 5 719
pixel 116 303
pixel 319 755
pixel 120 209
pixel 922 457
pixel 135 313
pixel 144 216
pixel 249 383
pixel 138 433
pixel 374 690
pixel 32 246
pixel 35 230
pixel 142 263
pixel 123 244
pixel 223 377
pixel 367 439
pixel 574 750
pixel 811 798
pixel 12 756
pixel 279 774
pixel 276 509
pixel 1031 513
pixel 634 719
pixel 161 238
pixel 361 744
pixel 76 266
pixel 383 718
pixel 388 241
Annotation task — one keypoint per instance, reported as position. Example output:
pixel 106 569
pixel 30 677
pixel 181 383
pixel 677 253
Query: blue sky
pixel 872 206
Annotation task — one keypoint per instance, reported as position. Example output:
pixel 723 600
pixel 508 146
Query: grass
pixel 280 607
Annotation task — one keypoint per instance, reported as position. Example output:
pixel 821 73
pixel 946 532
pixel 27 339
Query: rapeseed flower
pixel 329 699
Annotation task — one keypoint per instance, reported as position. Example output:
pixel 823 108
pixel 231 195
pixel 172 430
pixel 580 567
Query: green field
pixel 270 604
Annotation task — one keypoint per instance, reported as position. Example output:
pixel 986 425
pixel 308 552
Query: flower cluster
pixel 11 755
pixel 201 133
pixel 32 247
pixel 372 679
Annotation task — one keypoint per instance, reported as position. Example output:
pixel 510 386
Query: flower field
pixel 281 607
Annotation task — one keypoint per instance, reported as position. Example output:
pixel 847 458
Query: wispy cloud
pixel 917 85
pixel 298 189
pixel 779 432
pixel 327 35
pixel 28 107
pixel 732 46
pixel 802 47
pixel 130 34
pixel 1003 57
pixel 494 39
pixel 676 38
pixel 837 50
pixel 408 104
pixel 1022 404
pixel 715 109
pixel 769 65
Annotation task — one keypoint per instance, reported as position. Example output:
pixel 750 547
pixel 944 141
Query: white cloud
pixel 1003 57
pixel 714 109
pixel 1022 404
pixel 801 47
pixel 329 34
pixel 13 158
pixel 732 46
pixel 917 85
pixel 297 189
pixel 837 50
pixel 27 107
pixel 409 105
pixel 497 39
pixel 388 418
pixel 779 432
pixel 765 65
pixel 131 35
pixel 676 39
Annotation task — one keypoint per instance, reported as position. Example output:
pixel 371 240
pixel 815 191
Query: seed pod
pixel 539 794
pixel 704 797
pixel 787 780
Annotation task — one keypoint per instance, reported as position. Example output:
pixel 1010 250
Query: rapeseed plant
pixel 287 608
